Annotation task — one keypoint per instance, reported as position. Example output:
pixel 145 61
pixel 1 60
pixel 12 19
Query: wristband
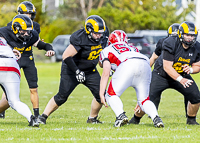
pixel 179 78
pixel 191 70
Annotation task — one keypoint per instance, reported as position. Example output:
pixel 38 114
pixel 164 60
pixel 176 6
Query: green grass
pixel 68 123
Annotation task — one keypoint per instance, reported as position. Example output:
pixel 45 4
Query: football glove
pixel 80 76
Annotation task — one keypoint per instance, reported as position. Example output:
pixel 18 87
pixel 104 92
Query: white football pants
pixel 10 81
pixel 136 73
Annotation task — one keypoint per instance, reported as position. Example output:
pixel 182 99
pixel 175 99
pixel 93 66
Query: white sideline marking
pixel 49 92
pixel 143 137
pixel 60 139
pixel 58 129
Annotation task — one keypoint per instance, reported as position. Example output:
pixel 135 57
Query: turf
pixel 68 123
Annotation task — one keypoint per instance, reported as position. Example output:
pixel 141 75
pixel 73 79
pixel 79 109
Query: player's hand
pixel 80 76
pixel 186 69
pixel 137 108
pixel 50 53
pixel 186 82
pixel 103 101
pixel 17 54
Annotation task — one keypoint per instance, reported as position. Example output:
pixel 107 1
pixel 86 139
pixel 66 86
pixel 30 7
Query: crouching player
pixel 10 83
pixel 132 69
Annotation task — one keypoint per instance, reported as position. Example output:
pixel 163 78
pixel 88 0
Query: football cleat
pixel 33 122
pixel 2 115
pixel 94 120
pixel 121 120
pixel 192 121
pixel 158 122
pixel 134 121
pixel 41 119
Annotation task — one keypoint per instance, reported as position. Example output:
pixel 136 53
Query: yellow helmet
pixel 173 29
pixel 27 7
pixel 94 24
pixel 187 28
pixel 22 23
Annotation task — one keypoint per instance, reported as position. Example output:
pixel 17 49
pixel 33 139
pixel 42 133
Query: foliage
pixel 130 15
pixel 58 27
pixel 7 12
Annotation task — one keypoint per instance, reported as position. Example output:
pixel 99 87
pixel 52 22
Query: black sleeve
pixel 169 44
pixel 168 56
pixel 72 65
pixel 44 46
pixel 36 27
pixel 75 41
pixel 158 49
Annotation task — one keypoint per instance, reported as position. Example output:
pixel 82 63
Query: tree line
pixel 128 15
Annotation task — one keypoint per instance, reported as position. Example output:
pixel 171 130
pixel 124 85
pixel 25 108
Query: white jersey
pixel 118 53
pixel 5 49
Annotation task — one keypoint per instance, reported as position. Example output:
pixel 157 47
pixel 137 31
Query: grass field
pixel 68 123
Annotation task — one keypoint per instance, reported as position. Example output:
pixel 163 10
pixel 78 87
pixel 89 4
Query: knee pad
pixel 60 99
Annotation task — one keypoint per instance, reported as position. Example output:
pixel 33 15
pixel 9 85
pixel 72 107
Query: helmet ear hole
pixel 96 24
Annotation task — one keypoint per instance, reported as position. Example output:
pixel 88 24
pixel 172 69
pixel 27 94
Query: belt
pixel 2 56
pixel 135 58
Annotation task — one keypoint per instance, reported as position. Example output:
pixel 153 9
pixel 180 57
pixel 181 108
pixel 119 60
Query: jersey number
pixel 120 48
pixel 94 54
pixel 178 67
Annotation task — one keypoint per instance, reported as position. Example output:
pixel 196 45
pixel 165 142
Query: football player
pixel 132 69
pixel 180 58
pixel 21 36
pixel 172 31
pixel 79 66
pixel 26 62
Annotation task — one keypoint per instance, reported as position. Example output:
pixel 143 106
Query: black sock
pixel 191 117
pixel 136 117
pixel 36 112
pixel 45 116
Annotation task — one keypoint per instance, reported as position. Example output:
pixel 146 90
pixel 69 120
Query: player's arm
pixel 195 68
pixel 104 80
pixel 100 64
pixel 153 59
pixel 45 46
pixel 167 66
pixel 69 52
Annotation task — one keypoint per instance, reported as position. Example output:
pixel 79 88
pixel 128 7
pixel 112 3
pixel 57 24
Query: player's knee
pixel 13 104
pixel 60 99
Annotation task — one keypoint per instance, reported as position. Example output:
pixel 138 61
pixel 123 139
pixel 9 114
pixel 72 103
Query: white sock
pixel 150 109
pixel 116 104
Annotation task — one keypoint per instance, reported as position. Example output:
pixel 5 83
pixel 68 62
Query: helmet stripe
pixel 170 30
pixel 185 28
pixel 94 24
pixel 23 7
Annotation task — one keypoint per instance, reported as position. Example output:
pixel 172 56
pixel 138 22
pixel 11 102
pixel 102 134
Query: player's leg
pixel 4 104
pixel 141 84
pixel 2 114
pixel 157 86
pixel 193 95
pixel 121 80
pixel 67 84
pixel 92 82
pixel 30 72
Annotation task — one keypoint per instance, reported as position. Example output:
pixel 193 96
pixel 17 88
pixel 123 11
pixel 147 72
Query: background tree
pixel 131 15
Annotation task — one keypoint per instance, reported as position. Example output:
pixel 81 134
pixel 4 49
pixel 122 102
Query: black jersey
pixel 158 49
pixel 28 51
pixel 88 50
pixel 174 51
pixel 24 48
